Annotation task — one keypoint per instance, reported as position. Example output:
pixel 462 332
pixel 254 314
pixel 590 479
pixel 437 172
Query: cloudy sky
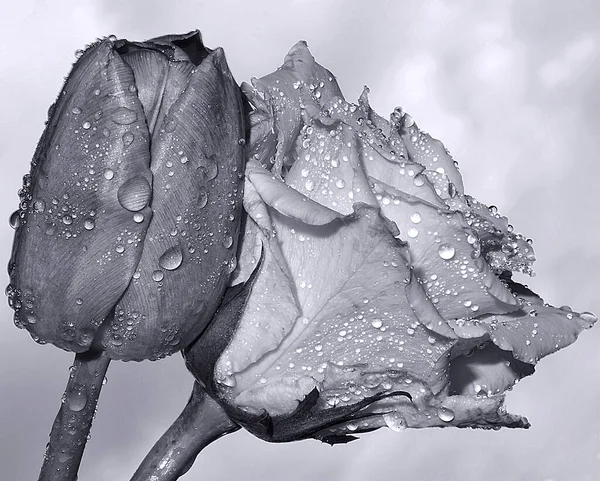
pixel 511 89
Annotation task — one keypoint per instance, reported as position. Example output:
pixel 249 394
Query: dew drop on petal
pixel 445 414
pixel 377 323
pixel 158 275
pixel 202 197
pixel 446 251
pixel 89 224
pixel 109 174
pixel 127 139
pixel 227 241
pixel 138 217
pixel 340 184
pixel 15 220
pixel 415 218
pixel 394 421
pixel 124 116
pixel 134 194
pixel 171 259
pixel 412 232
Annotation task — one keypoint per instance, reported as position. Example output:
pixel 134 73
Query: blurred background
pixel 512 89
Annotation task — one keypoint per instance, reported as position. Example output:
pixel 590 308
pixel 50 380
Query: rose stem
pixel 201 422
pixel 74 419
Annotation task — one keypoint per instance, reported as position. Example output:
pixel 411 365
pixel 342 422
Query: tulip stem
pixel 73 422
pixel 201 422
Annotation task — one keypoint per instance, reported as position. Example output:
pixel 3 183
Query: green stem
pixel 200 423
pixel 73 422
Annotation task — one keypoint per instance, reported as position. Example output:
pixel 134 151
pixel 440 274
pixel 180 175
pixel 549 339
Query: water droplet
pixel 14 220
pixel 202 197
pixel 419 181
pixel 86 125
pixel 377 323
pixel 184 159
pixel 120 248
pixel 415 218
pixel 67 220
pixel 39 206
pixel 446 251
pixel 394 421
pixel 76 399
pixel 127 139
pixel 132 88
pixel 134 194
pixel 79 301
pixel 412 232
pixel 471 239
pixel 124 116
pixel 76 110
pixel 310 185
pixel 445 414
pixel 227 241
pixel 98 115
pixel 340 184
pixel 89 224
pixel 158 276
pixel 138 217
pixel 108 174
pixel 171 259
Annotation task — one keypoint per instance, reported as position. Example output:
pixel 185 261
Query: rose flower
pixel 370 290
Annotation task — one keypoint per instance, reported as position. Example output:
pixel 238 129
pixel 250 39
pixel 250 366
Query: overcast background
pixel 512 89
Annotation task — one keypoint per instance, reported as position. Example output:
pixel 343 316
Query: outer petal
pixel 363 320
pixel 191 242
pixel 79 241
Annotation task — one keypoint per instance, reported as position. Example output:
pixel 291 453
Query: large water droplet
pixel 446 251
pixel 89 224
pixel 412 232
pixel 227 241
pixel 134 194
pixel 137 217
pixel 14 221
pixel 109 174
pixel 124 116
pixel 415 218
pixel 158 275
pixel 445 414
pixel 202 197
pixel 127 139
pixel 394 421
pixel 171 258
pixel 76 399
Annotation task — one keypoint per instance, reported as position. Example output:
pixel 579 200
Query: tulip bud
pixel 129 219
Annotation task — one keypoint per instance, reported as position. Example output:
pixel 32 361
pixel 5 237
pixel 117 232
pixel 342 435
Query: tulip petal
pixel 90 182
pixel 191 241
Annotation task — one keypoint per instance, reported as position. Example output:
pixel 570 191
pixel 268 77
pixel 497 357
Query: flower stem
pixel 74 419
pixel 200 423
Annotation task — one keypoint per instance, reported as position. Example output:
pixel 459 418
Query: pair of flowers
pixel 368 289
